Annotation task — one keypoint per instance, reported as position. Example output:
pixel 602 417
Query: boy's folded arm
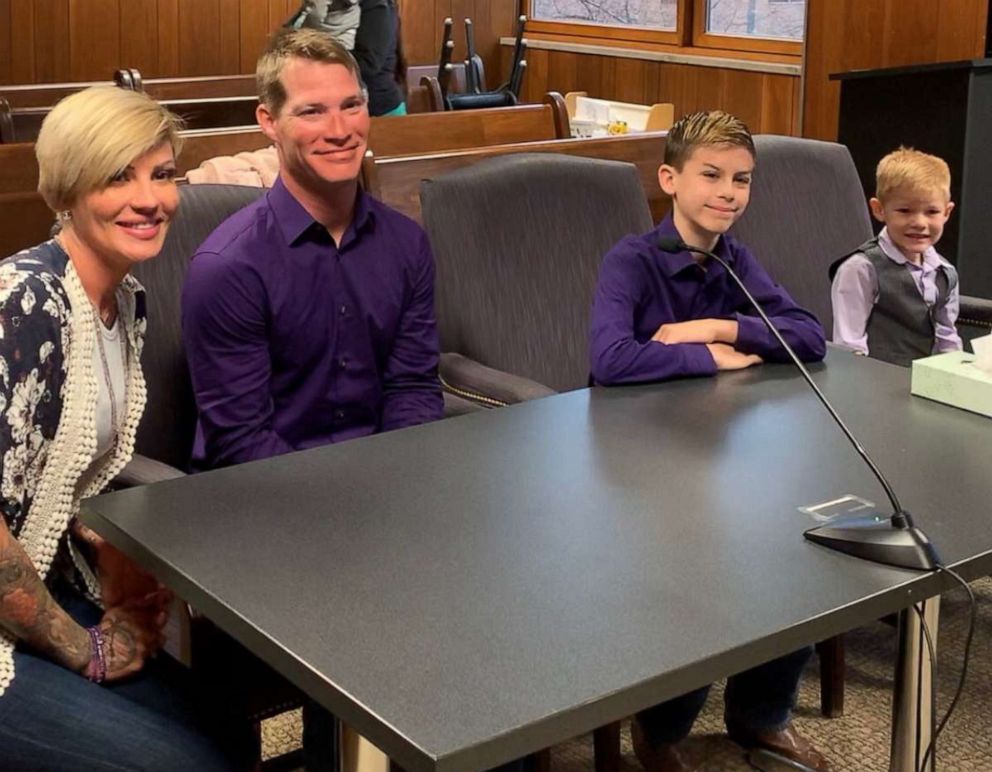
pixel 622 359
pixel 616 356
pixel 798 326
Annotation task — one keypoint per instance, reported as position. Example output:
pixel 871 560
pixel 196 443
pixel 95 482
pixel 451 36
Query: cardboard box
pixel 953 379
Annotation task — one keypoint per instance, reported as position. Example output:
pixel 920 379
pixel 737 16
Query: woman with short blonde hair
pixel 78 621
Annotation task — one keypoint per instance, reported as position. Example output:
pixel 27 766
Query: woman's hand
pixel 131 633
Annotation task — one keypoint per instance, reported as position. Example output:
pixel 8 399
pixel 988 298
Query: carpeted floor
pixel 857 742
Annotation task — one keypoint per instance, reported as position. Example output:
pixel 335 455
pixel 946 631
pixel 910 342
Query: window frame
pixel 690 32
pixel 703 39
pixel 612 32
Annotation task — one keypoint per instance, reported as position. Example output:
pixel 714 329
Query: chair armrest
pixel 483 385
pixel 975 312
pixel 141 470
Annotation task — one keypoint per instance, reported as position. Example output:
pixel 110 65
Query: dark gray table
pixel 467 592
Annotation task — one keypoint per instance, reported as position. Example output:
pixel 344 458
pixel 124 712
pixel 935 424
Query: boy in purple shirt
pixel 308 316
pixel 658 315
pixel 896 299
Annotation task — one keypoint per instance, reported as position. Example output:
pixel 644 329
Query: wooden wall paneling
pixel 671 87
pixel 563 72
pixel 139 37
pixel 537 78
pixel 168 38
pixel 22 41
pixel 200 37
pixel 910 31
pixel 968 34
pixel 5 42
pixel 230 38
pixel 51 41
pixel 629 80
pixel 844 35
pixel 502 21
pixel 742 94
pixel 778 105
pixel 421 36
pixel 94 39
pixel 253 26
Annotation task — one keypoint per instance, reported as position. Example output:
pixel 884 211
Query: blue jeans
pixel 54 719
pixel 759 699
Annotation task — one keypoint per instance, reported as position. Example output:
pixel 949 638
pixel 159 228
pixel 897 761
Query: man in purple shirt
pixel 658 315
pixel 308 316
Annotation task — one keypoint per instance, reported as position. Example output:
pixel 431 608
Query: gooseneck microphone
pixel 894 541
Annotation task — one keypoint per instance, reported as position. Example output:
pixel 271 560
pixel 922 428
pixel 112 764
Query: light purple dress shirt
pixel 855 292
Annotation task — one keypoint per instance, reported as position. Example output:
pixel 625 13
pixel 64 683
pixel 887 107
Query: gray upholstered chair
pixel 518 242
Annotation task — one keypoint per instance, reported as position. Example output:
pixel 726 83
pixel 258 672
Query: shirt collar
pixel 673 263
pixel 294 221
pixel 931 259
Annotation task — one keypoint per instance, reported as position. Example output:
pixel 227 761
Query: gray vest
pixel 901 327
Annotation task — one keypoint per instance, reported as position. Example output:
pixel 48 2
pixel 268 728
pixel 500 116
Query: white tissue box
pixel 953 379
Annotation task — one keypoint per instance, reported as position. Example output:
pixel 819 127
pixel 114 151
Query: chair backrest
pixel 807 209
pixel 518 240
pixel 396 180
pixel 167 428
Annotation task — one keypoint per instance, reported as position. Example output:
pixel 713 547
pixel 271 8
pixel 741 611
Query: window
pixel 640 20
pixel 654 14
pixel 771 26
pixel 772 19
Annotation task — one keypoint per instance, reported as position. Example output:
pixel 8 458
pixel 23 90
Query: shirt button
pixel 339 414
pixel 344 310
pixel 343 362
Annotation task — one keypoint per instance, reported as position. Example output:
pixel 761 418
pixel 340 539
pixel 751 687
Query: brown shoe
pixel 667 757
pixel 785 742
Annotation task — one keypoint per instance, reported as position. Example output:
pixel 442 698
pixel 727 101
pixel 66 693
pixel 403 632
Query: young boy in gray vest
pixel 896 298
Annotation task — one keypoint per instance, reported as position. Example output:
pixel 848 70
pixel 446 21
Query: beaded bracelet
pixel 96 670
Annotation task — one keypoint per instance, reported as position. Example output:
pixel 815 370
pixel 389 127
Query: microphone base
pixel 879 541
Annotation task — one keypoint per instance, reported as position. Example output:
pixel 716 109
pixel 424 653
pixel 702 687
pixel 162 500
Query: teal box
pixel 953 379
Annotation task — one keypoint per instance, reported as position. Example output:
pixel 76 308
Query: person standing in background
pixel 379 52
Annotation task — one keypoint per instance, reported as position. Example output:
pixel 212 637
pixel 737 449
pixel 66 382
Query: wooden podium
pixel 944 109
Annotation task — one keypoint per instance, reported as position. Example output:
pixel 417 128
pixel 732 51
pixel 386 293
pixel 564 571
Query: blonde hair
pixel 91 136
pixel 311 44
pixel 911 170
pixel 713 128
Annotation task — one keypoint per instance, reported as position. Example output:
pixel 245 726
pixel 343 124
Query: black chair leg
pixel 606 747
pixel 831 653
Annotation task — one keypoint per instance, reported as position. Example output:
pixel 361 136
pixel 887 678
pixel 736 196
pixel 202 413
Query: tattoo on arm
pixel 29 612
pixel 120 647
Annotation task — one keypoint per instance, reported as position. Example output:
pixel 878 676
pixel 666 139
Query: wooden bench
pixel 22 124
pixel 396 180
pixel 47 94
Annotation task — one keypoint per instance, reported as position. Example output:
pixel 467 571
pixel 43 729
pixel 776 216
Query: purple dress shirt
pixel 855 291
pixel 294 342
pixel 641 287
